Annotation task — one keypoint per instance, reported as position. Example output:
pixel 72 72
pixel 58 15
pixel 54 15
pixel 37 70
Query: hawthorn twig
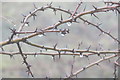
pixel 90 65
pixel 25 61
pixel 70 50
pixel 59 52
pixel 97 26
pixel 104 9
pixel 41 53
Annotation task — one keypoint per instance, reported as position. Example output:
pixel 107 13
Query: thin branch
pixel 90 65
pixel 70 50
pixel 29 32
pixel 25 61
pixel 97 26
pixel 41 53
pixel 76 9
pixel 116 63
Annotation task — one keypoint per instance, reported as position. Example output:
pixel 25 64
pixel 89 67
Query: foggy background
pixel 43 66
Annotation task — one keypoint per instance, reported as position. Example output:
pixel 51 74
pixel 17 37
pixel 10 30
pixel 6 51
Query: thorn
pixel 34 15
pixel 80 53
pixel 95 16
pixel 43 33
pixel 98 54
pixel 60 21
pixel 89 48
pixel 55 46
pixel 55 27
pixel 59 53
pixel 53 56
pixel 59 7
pixel 61 17
pixel 42 9
pixel 86 56
pixel 25 56
pixel 11 56
pixel 13 31
pixel 2 48
pixel 84 8
pixel 84 68
pixel 100 34
pixel 35 54
pixel 36 30
pixel 46 49
pixel 116 12
pixel 94 7
pixel 99 24
pixel 34 6
pixel 54 10
pixel 21 22
pixel 74 19
pixel 50 4
pixel 73 51
pixel 23 15
pixel 104 2
pixel 97 64
pixel 79 45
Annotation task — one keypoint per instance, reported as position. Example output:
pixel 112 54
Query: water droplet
pixel 54 29
pixel 26 25
pixel 14 25
pixel 81 55
pixel 40 35
pixel 68 23
pixel 103 33
pixel 62 34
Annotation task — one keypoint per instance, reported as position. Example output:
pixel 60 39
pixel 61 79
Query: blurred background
pixel 43 66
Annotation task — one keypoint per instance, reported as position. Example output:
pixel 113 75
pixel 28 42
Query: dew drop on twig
pixel 103 32
pixel 26 25
pixel 63 35
pixel 14 25
pixel 40 35
pixel 68 23
pixel 81 55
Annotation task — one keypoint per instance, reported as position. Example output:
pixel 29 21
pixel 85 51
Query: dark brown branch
pixel 25 61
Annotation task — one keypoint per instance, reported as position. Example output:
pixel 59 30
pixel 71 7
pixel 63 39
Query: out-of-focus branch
pixel 90 65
